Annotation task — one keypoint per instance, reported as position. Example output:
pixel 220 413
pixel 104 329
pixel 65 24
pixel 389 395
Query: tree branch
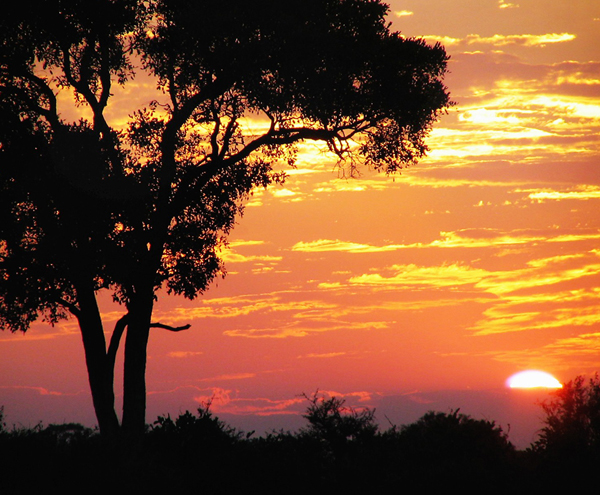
pixel 170 328
pixel 75 311
pixel 97 105
pixel 115 339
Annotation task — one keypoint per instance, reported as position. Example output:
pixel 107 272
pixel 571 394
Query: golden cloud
pixel 504 39
pixel 502 4
pixel 242 242
pixel 580 351
pixel 532 296
pixel 538 320
pixel 233 307
pixel 434 276
pixel 230 257
pixel 327 245
pixel 583 192
pixel 458 239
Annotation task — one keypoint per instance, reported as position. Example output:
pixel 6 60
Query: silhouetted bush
pixel 192 449
pixel 36 458
pixel 340 450
pixel 452 450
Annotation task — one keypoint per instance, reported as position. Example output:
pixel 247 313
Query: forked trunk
pixel 99 374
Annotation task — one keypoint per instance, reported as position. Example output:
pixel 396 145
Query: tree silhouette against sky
pixel 86 206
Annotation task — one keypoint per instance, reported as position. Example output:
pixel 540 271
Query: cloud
pixel 283 193
pixel 234 307
pixel 40 390
pixel 483 238
pixel 503 4
pixel 544 319
pixel 353 185
pixel 230 255
pixel 325 355
pixel 583 192
pixel 433 276
pixel 328 245
pixel 402 13
pixel 549 292
pixel 184 354
pixel 528 40
pixel 577 352
pixel 231 376
pixel 242 242
pixel 223 401
pixel 296 329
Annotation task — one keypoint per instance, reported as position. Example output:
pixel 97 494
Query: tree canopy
pixel 86 205
pixel 572 423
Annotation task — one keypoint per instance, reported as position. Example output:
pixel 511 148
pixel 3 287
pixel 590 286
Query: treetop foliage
pixel 85 203
pixel 572 420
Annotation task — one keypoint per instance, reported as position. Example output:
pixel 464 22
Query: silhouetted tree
pixel 343 440
pixel 446 450
pixel 85 206
pixel 572 417
pixel 568 447
pixel 331 420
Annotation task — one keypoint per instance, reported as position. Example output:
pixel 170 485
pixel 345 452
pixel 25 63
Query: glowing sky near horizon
pixel 482 260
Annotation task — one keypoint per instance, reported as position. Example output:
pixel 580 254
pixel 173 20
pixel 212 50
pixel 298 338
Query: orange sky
pixel 423 291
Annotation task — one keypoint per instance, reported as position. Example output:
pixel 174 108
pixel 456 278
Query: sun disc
pixel 533 379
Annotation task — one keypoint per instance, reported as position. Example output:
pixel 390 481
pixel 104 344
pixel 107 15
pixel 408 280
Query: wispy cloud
pixel 413 275
pixel 298 329
pixel 583 192
pixel 571 353
pixel 325 355
pixel 552 292
pixel 326 245
pixel 231 376
pixel 505 39
pixel 184 354
pixel 40 390
pixel 233 307
pixel 225 401
pixel 459 239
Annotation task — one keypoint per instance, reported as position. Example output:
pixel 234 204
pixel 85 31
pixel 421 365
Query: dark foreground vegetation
pixel 340 450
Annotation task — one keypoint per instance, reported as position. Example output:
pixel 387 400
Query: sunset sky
pixel 422 291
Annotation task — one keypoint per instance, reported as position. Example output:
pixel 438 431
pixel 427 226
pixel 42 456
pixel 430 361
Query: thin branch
pixel 280 137
pixel 75 311
pixel 215 134
pixel 229 131
pixel 97 105
pixel 170 328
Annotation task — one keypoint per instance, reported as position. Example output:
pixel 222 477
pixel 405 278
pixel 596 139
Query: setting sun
pixel 533 379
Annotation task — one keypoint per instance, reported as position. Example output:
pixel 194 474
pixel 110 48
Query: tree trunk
pixel 100 377
pixel 134 384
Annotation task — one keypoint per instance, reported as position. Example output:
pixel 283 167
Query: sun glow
pixel 533 379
